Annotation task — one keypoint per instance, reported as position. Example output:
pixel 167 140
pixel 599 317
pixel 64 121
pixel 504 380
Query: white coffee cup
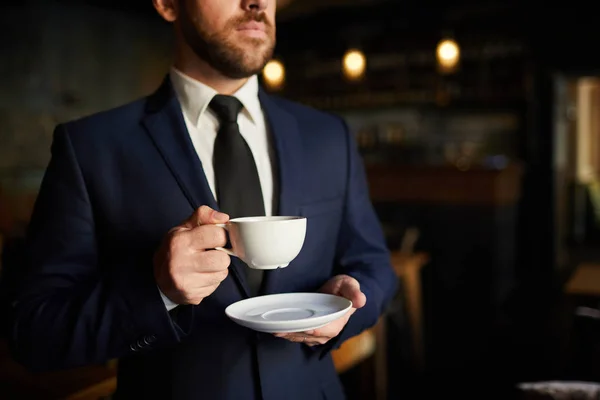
pixel 265 242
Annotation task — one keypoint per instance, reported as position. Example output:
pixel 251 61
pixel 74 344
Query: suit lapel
pixel 166 127
pixel 289 156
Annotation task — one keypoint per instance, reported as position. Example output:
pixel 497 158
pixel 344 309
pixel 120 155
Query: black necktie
pixel 236 178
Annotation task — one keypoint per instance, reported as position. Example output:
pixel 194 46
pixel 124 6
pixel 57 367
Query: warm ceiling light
pixel 274 73
pixel 448 54
pixel 355 63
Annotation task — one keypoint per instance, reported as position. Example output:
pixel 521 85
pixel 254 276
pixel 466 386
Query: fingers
pixel 199 238
pixel 198 286
pixel 206 237
pixel 318 336
pixel 185 266
pixel 349 288
pixel 188 243
pixel 205 215
pixel 315 340
pixel 210 279
pixel 308 340
pixel 203 234
pixel 212 261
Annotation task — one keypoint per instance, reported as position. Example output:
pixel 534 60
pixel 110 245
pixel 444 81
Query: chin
pixel 255 58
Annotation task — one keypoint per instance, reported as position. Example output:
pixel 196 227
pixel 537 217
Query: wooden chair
pixel 408 268
pixel 371 344
pixel 585 280
pixel 354 350
pixel 85 383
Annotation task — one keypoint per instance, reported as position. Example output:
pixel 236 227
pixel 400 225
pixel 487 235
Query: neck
pixel 187 62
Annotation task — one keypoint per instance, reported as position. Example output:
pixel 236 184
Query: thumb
pixel 350 289
pixel 205 215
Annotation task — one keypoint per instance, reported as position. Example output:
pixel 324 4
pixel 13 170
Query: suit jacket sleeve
pixel 73 308
pixel 362 251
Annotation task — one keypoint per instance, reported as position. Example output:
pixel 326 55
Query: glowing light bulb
pixel 274 73
pixel 355 64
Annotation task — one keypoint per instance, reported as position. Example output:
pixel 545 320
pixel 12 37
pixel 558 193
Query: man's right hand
pixel 186 267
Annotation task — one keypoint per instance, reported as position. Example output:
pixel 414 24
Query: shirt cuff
pixel 168 303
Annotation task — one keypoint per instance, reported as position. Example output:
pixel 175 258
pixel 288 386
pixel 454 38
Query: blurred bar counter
pixel 444 184
pixel 467 219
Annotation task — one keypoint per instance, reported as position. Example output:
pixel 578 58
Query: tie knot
pixel 227 108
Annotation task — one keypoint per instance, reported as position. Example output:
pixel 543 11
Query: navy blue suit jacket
pixel 116 183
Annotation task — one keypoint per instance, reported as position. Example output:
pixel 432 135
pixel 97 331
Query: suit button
pixel 134 347
pixel 149 339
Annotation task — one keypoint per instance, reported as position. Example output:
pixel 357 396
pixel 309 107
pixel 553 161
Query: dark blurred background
pixel 479 124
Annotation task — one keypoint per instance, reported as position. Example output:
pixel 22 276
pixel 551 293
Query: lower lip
pixel 255 33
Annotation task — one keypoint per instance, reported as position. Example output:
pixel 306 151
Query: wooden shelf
pixel 444 184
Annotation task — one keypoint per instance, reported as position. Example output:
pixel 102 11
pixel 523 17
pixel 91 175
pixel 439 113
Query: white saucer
pixel 288 312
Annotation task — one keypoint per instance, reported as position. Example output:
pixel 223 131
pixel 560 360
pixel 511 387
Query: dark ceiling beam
pixel 291 9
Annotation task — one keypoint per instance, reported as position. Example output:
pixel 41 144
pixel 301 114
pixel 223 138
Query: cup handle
pixel 223 249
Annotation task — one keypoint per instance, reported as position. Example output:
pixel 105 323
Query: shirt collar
pixel 194 96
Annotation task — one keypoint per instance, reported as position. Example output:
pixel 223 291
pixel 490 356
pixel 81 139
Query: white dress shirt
pixel 202 125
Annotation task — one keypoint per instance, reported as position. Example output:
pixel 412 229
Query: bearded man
pixel 122 243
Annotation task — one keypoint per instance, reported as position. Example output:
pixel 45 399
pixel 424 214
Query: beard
pixel 234 59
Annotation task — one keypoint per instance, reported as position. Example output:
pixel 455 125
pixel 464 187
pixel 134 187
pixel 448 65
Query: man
pixel 117 274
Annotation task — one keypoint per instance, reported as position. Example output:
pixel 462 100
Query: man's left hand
pixel 340 285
